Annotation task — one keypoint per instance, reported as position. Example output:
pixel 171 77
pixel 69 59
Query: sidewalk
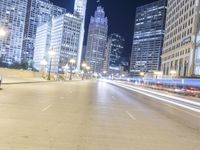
pixel 12 80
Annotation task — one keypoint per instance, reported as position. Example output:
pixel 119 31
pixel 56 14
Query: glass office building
pixel 148 37
pixel 12 20
pixel 61 35
pixel 38 12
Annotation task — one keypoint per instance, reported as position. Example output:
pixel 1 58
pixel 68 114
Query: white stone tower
pixel 80 11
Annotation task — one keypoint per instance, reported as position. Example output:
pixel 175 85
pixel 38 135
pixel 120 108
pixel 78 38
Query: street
pixel 91 115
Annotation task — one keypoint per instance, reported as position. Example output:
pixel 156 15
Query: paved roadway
pixel 91 116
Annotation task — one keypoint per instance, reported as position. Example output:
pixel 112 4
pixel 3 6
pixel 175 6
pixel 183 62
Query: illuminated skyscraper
pixel 148 37
pixel 12 20
pixel 62 35
pixel 80 11
pixel 179 44
pixel 116 50
pixel 97 40
pixel 38 12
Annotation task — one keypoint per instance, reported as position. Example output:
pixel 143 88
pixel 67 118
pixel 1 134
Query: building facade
pixel 12 20
pixel 38 12
pixel 116 50
pixel 42 45
pixel 97 40
pixel 107 56
pixel 80 12
pixel 197 48
pixel 179 43
pixel 62 36
pixel 148 37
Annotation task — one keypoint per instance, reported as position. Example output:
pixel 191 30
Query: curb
pixel 26 82
pixel 30 82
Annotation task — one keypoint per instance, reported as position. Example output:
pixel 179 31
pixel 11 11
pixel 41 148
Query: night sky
pixel 120 13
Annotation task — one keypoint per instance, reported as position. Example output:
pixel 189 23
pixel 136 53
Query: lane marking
pixel 174 107
pixel 161 99
pixel 130 115
pixel 46 108
pixel 161 94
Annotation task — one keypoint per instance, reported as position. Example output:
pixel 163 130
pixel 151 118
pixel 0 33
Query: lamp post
pixel 84 65
pixel 71 62
pixel 51 54
pixel 104 72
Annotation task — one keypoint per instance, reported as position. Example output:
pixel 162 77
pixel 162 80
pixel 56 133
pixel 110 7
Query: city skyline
pixel 123 24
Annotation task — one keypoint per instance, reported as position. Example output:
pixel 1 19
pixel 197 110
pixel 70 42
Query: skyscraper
pixel 116 50
pixel 42 44
pixel 61 35
pixel 80 11
pixel 148 37
pixel 179 44
pixel 97 40
pixel 197 53
pixel 12 20
pixel 38 12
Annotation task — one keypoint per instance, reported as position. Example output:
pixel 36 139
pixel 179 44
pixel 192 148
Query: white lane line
pixel 161 99
pixel 165 95
pixel 46 108
pixel 130 115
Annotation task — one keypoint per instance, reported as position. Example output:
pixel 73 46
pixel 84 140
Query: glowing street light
pixel 88 68
pixel 72 61
pixel 142 74
pixel 173 72
pixel 84 65
pixel 104 72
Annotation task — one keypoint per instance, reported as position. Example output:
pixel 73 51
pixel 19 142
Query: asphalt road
pixel 91 116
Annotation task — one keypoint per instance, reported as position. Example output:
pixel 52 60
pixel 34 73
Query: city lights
pixel 2 32
pixel 99 75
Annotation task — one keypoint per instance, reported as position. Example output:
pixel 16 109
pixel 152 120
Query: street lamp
pixel 51 54
pixel 88 68
pixel 71 62
pixel 84 65
pixel 142 74
pixel 104 72
pixel 173 72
